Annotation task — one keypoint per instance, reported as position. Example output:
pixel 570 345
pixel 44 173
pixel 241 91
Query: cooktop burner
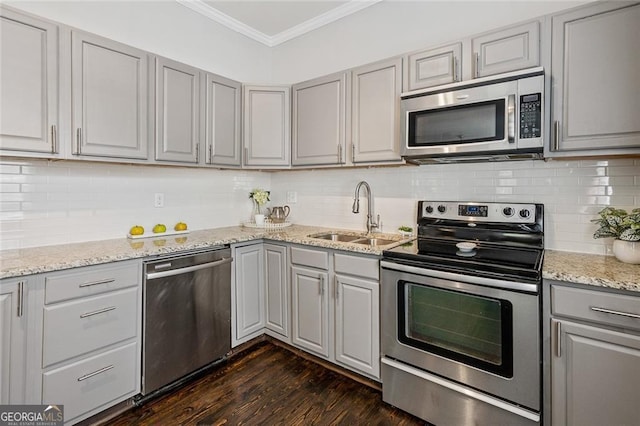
pixel 494 240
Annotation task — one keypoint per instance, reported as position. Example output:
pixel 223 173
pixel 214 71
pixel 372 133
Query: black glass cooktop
pixel 485 259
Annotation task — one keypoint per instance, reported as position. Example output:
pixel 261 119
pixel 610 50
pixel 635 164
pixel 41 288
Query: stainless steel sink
pixel 345 238
pixel 373 242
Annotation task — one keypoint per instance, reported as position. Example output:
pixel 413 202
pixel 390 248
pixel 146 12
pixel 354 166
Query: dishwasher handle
pixel 163 274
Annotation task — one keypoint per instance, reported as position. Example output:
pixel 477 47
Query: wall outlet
pixel 158 200
pixel 292 197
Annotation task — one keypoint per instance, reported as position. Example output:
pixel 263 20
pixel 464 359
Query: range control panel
pixel 479 212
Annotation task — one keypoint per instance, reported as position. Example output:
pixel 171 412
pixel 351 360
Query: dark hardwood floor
pixel 268 385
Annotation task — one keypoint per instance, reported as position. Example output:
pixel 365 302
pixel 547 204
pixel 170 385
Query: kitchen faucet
pixel 356 206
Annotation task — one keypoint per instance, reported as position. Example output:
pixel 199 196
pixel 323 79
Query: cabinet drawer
pixel 93 382
pixel 91 280
pixel 597 306
pixel 366 267
pixel 314 258
pixel 77 327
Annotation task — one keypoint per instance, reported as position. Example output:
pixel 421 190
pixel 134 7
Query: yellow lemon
pixel 136 230
pixel 180 226
pixel 159 228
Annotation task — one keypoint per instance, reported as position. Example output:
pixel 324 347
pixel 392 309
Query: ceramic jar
pixel 627 251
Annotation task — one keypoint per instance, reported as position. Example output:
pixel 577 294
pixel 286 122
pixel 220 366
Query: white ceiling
pixel 274 22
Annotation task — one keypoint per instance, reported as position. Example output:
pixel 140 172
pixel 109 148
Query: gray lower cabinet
pixel 109 98
pixel 248 292
pixel 319 120
pixel 595 91
pixel 91 339
pixel 29 82
pixel 13 341
pixel 433 67
pixel 508 49
pixel 177 112
pixel 277 291
pixel 267 126
pixel 375 119
pixel 223 121
pixel 335 307
pixel 595 357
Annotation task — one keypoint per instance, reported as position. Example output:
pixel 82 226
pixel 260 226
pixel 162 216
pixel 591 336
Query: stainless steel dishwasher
pixel 187 315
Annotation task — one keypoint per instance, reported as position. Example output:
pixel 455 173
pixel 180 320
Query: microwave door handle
pixel 511 118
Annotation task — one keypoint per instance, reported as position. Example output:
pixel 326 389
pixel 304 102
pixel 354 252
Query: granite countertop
pixel 590 269
pixel 595 270
pixel 28 261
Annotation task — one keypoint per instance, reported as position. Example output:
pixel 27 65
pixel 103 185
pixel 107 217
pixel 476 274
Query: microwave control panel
pixel 530 116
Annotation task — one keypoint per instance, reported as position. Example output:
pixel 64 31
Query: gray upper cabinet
pixel 506 50
pixel 28 83
pixel 109 98
pixel 433 67
pixel 267 126
pixel 320 120
pixel 222 121
pixel 595 87
pixel 177 109
pixel 376 112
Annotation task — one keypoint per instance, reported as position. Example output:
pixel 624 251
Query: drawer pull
pixel 95 373
pixel 89 284
pixel 99 311
pixel 608 311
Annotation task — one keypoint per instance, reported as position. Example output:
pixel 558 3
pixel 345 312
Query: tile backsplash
pixel 55 202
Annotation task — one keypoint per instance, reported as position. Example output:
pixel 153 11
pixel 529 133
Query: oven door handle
pixel 490 282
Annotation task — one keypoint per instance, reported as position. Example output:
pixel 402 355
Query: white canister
pixel 259 218
pixel 627 251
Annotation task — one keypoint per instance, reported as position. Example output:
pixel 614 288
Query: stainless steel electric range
pixel 461 315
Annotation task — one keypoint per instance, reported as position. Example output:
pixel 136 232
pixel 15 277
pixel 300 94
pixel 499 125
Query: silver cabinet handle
pixel 353 152
pixel 511 118
pixel 54 139
pixel 179 271
pixel 197 152
pixel 92 283
pixel 246 155
pixel 98 312
pixel 210 155
pixel 558 339
pixel 456 76
pixel 609 311
pixel 78 141
pixel 476 61
pixel 335 282
pixel 556 136
pixel 95 373
pixel 339 153
pixel 20 299
pixel 321 285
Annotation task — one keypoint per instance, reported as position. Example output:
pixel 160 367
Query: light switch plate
pixel 292 197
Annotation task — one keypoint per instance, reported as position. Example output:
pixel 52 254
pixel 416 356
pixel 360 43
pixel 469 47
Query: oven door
pixel 485 336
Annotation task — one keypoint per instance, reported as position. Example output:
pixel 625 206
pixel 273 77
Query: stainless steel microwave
pixel 488 119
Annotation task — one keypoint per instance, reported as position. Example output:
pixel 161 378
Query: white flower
pixel 260 196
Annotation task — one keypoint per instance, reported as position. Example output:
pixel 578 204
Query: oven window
pixel 478 122
pixel 464 327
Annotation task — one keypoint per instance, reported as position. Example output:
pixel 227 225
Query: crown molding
pixel 326 18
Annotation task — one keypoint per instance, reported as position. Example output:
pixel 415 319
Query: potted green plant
pixel 625 228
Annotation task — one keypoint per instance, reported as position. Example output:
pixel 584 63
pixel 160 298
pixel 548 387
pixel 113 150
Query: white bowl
pixel 466 247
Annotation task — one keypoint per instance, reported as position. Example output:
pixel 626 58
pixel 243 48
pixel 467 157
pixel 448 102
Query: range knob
pixel 507 211
pixel 428 209
pixel 442 208
pixel 524 213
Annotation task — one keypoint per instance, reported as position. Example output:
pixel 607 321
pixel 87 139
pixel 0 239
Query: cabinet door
pixel 595 69
pixel 277 285
pixel 28 83
pixel 267 126
pixel 319 121
pixel 506 50
pixel 358 324
pixel 310 310
pixel 249 291
pixel 433 67
pixel 177 111
pixel 109 97
pixel 13 350
pixel 222 121
pixel 595 375
pixel 376 112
